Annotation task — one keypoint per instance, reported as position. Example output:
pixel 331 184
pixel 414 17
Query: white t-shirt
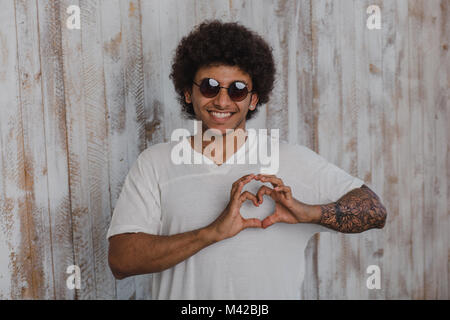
pixel 163 198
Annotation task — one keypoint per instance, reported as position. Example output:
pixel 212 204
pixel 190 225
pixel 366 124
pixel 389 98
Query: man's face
pixel 234 112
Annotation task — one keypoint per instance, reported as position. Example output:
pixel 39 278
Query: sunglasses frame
pixel 220 87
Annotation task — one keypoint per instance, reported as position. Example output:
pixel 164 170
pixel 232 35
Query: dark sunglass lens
pixel 209 87
pixel 238 91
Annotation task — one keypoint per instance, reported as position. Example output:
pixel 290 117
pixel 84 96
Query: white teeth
pixel 221 114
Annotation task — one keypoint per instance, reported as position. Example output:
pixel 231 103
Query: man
pixel 190 224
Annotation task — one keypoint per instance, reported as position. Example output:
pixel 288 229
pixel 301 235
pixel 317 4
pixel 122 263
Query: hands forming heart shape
pixel 287 208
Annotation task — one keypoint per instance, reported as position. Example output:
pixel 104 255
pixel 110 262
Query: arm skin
pixel 139 253
pixel 357 211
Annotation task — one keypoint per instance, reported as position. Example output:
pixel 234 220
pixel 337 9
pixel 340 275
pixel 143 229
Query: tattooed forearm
pixel 357 211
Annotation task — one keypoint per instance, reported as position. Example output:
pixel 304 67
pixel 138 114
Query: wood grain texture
pixel 443 138
pixel 330 125
pixel 77 107
pixel 54 113
pixel 97 147
pixel 16 266
pixel 113 49
pixel 133 63
pixel 434 216
pixel 77 139
pixel 36 224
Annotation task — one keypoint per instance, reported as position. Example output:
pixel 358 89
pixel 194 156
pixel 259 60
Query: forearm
pixel 141 253
pixel 357 211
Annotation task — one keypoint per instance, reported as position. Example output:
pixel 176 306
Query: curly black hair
pixel 217 43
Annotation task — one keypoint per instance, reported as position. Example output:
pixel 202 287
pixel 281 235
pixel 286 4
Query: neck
pixel 223 146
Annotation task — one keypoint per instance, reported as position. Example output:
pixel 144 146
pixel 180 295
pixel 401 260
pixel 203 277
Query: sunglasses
pixel 210 87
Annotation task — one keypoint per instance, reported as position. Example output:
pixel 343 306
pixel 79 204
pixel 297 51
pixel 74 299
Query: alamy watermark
pixel 183 153
pixel 74 20
pixel 374 20
pixel 74 280
pixel 374 280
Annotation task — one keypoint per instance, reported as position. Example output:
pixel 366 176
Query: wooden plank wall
pixel 78 106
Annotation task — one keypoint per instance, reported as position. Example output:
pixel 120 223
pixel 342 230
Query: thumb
pixel 252 223
pixel 270 220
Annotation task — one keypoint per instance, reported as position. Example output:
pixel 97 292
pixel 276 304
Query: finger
pixel 268 221
pixel 244 179
pixel 238 191
pixel 240 186
pixel 262 191
pixel 247 178
pixel 250 196
pixel 272 179
pixel 252 223
pixel 286 190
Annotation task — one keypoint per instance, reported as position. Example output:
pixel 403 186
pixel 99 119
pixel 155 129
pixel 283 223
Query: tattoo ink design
pixel 357 211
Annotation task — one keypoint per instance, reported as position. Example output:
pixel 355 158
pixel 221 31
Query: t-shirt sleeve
pixel 138 207
pixel 329 181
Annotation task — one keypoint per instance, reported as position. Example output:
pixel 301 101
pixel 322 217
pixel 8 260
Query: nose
pixel 223 99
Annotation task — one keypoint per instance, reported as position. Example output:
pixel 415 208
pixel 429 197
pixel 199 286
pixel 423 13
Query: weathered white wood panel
pixel 54 112
pixel 77 139
pixel 16 267
pixel 435 217
pixel 113 49
pixel 38 229
pixel 132 60
pixel 78 106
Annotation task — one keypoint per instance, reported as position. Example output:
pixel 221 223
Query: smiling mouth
pixel 221 116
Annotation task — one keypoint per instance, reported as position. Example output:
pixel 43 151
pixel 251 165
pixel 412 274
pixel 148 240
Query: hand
pixel 287 208
pixel 230 222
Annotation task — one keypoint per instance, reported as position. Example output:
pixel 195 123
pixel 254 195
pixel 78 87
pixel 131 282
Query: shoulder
pixel 154 158
pixel 156 151
pixel 300 152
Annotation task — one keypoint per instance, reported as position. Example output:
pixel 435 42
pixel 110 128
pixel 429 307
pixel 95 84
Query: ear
pixel 187 96
pixel 254 101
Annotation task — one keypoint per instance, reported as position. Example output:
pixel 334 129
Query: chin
pixel 222 129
